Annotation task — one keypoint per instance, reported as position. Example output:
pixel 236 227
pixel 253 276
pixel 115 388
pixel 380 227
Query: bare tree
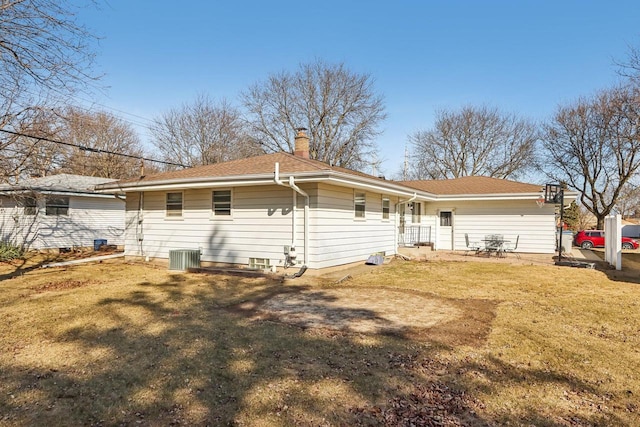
pixel 202 133
pixel 338 107
pixel 43 47
pixel 474 141
pixel 103 134
pixel 30 156
pixel 594 146
pixel 44 54
pixel 33 152
pixel 628 203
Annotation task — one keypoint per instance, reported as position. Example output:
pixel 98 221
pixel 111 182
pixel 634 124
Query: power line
pixel 142 122
pixel 90 109
pixel 91 149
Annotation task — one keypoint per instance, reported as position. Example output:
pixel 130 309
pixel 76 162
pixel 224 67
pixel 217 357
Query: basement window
pixel 259 263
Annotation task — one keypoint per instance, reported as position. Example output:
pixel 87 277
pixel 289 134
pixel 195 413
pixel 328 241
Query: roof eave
pixel 569 195
pixel 338 178
pixel 54 191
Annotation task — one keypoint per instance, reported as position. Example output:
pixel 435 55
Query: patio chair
pixel 473 246
pixel 508 249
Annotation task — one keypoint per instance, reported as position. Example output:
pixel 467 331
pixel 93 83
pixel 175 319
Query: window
pixel 445 219
pixel 30 205
pixel 416 213
pixel 57 206
pixel 221 203
pixel 174 204
pixel 360 204
pixel 259 263
pixel 385 208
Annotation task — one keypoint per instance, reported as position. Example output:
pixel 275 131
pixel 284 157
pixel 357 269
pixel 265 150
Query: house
pixel 287 210
pixel 60 211
pixel 478 206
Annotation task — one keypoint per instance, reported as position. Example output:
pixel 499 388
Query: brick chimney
pixel 301 144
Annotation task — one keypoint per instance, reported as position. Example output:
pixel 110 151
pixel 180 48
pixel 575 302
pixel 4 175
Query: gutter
pixel 291 184
pixel 338 178
pixel 100 195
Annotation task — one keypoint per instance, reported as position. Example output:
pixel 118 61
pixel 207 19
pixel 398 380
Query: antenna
pixel 374 164
pixel 406 162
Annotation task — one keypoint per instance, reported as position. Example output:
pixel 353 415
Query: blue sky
pixel 524 57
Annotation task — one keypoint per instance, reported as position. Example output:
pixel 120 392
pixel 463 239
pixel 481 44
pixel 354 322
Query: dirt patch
pixel 62 285
pixel 379 310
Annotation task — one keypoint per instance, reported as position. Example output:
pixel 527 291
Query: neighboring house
pixel 252 211
pixel 630 228
pixel 60 211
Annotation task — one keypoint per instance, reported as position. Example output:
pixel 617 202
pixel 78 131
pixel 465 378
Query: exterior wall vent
pixel 184 259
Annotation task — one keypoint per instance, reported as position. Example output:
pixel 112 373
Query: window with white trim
pixel 174 205
pixel 385 207
pixel 360 201
pixel 221 203
pixel 56 206
pixel 416 213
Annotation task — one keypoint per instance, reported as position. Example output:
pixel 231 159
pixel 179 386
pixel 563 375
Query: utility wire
pixel 91 149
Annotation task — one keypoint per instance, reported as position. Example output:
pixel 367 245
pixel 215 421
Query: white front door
pixel 445 230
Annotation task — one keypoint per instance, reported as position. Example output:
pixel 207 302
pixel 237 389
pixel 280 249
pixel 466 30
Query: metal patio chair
pixel 471 246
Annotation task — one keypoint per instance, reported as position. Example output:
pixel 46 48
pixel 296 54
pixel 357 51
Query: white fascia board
pixel 76 193
pixel 373 186
pixel 58 193
pixel 252 180
pixel 503 196
pixel 183 185
pixel 480 197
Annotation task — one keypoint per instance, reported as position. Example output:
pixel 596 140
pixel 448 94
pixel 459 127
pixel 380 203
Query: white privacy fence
pixel 613 241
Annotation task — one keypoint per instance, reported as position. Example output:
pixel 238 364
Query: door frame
pixel 439 232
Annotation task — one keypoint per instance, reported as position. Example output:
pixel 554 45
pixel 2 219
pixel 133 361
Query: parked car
pixel 588 239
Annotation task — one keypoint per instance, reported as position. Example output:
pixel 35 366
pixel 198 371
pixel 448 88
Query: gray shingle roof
pixel 62 183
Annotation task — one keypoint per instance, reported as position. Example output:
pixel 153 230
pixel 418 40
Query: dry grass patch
pixel 563 349
pixel 132 344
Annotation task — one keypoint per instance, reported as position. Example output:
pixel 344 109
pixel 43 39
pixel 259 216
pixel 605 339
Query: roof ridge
pixel 311 162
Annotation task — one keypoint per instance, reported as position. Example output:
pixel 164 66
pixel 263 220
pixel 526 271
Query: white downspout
pixel 294 221
pixel 296 189
pixel 395 231
pixel 140 225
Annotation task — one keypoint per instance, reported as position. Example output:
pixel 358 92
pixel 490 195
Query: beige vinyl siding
pixel 337 237
pixel 260 227
pixel 534 225
pixel 88 218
